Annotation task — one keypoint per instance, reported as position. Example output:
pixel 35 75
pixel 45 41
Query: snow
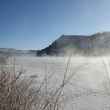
pixel 88 87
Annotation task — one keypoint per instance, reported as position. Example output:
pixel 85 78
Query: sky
pixel 34 24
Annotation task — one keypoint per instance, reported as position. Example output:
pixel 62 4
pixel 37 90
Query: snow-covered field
pixel 89 84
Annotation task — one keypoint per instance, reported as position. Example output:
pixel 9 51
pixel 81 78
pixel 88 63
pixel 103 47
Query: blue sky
pixel 34 24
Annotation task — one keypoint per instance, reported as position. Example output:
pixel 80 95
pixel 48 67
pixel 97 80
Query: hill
pixel 96 44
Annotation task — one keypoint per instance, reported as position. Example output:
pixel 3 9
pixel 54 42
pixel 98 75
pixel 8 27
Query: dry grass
pixel 21 93
pixel 18 93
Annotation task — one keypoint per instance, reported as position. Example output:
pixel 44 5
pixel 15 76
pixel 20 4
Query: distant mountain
pixel 96 44
pixel 12 51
